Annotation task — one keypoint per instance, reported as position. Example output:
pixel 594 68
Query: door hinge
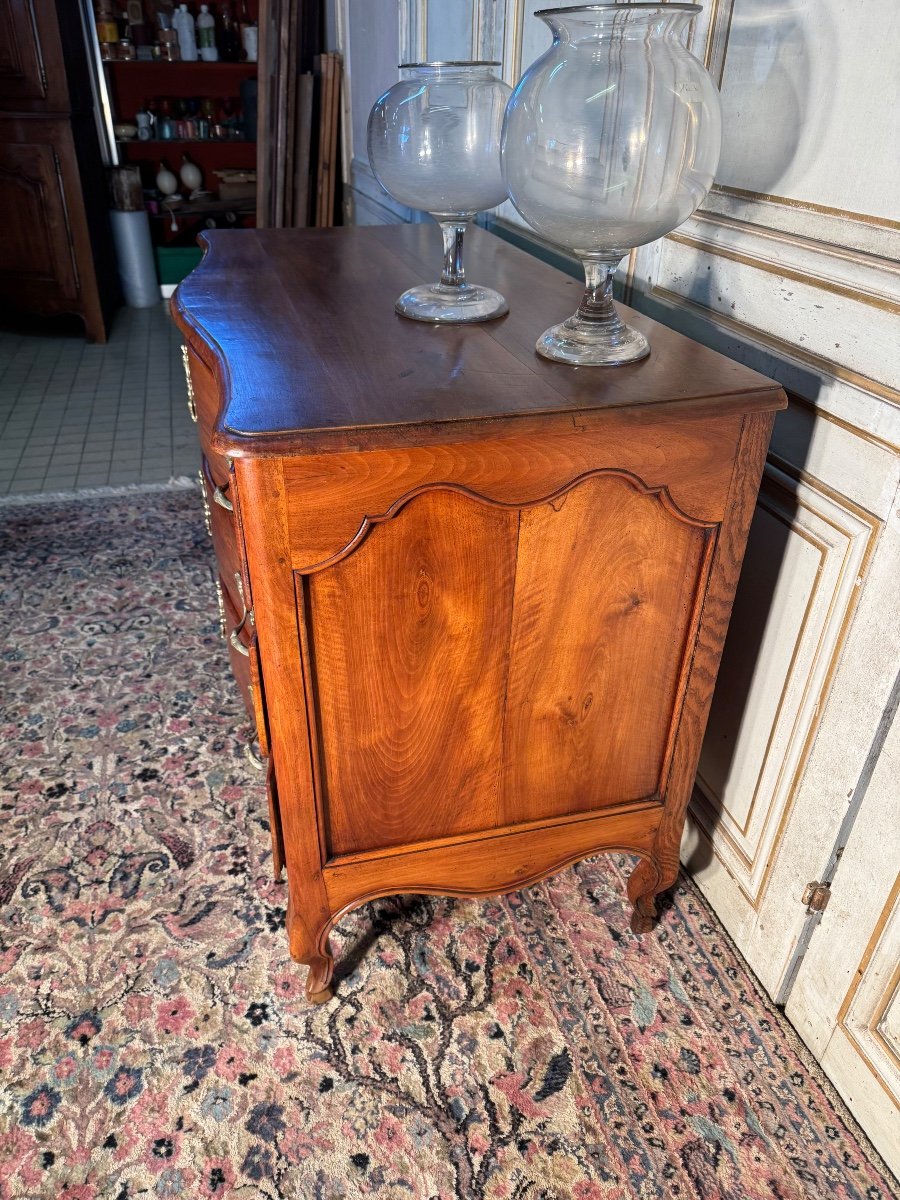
pixel 816 896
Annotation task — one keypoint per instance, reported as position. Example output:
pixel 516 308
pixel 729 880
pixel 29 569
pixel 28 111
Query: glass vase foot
pixel 446 305
pixel 583 343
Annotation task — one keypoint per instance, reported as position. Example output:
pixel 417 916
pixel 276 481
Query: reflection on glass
pixel 611 140
pixel 434 144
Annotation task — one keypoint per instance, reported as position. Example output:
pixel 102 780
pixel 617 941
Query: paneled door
pixel 791 266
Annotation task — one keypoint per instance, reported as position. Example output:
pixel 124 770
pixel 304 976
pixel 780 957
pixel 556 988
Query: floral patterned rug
pixel 154 1037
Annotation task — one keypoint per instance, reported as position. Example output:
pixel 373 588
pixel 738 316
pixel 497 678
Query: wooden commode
pixel 475 600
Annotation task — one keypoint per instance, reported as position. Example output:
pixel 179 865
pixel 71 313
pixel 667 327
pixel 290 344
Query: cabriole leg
pixel 313 951
pixel 646 883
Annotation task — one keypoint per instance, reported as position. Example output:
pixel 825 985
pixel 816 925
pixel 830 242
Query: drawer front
pixel 203 405
pixel 224 532
pixel 244 654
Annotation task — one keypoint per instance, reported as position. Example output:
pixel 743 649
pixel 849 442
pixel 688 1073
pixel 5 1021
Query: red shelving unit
pixel 135 85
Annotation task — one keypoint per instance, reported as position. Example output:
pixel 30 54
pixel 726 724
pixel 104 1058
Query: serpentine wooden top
pixel 302 363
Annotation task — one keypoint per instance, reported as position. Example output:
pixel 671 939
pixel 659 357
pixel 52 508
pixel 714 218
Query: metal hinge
pixel 816 896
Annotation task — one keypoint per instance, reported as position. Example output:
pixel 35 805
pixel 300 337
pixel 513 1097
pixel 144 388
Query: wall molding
pixel 844 537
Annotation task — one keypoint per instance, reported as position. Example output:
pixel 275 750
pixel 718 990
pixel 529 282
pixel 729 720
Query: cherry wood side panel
pixel 654 875
pixel 605 587
pixel 501 862
pixel 409 643
pixel 260 488
pixel 330 495
pixel 474 665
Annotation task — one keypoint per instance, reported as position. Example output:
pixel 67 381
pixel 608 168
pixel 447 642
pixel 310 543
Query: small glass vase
pixel 434 145
pixel 611 140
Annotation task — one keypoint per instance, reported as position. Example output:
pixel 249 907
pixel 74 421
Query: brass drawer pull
pixel 236 641
pixel 222 500
pixel 192 407
pixel 253 758
pixel 220 600
pixel 247 613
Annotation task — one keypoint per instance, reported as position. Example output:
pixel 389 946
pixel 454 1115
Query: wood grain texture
pixel 658 873
pixel 330 496
pixel 410 638
pixel 459 687
pixel 261 488
pixel 605 583
pixel 502 863
pixel 269 312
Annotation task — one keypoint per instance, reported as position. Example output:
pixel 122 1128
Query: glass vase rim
pixel 660 5
pixel 448 62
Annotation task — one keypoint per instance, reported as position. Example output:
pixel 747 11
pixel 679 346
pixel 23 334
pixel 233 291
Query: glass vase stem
pixel 597 302
pixel 453 273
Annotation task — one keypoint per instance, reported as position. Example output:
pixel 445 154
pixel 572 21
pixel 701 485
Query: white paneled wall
pixel 790 266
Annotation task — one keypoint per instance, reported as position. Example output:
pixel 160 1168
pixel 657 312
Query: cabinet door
pixel 32 73
pixel 37 265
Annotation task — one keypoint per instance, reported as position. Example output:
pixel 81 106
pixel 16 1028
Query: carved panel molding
pixel 557 497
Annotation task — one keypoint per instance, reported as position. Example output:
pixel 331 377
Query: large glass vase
pixel 611 140
pixel 434 145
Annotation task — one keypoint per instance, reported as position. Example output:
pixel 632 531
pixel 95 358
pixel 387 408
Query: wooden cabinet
pixel 37 258
pixel 480 598
pixel 55 252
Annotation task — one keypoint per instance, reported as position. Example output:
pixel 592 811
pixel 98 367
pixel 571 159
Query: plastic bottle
pixel 206 35
pixel 187 38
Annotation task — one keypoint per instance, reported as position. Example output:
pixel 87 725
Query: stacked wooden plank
pixel 328 74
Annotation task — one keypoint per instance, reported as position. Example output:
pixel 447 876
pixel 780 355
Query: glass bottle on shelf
pixel 229 36
pixel 107 25
pixel 168 38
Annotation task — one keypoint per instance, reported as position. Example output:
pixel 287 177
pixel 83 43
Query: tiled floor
pixel 73 415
